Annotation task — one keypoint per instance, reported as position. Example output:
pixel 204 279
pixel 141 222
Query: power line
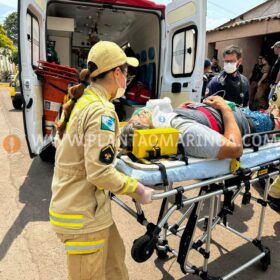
pixel 222 8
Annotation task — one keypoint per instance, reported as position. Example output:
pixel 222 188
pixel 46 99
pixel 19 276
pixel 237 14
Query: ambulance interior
pixel 73 28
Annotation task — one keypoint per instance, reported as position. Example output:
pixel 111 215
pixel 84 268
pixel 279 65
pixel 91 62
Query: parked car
pixel 15 92
pixel 12 79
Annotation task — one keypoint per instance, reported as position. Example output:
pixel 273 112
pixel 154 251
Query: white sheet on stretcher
pixel 197 168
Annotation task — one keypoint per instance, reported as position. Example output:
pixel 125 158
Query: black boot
pixel 274 203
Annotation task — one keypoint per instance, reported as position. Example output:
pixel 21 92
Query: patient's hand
pixel 216 102
pixel 185 104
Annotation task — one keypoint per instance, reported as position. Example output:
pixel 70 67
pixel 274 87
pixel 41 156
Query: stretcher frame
pixel 228 186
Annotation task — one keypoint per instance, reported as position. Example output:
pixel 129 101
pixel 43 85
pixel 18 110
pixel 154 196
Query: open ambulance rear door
pixel 184 50
pixel 32 14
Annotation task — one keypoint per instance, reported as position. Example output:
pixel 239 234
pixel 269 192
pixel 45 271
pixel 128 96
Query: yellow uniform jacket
pixel 84 172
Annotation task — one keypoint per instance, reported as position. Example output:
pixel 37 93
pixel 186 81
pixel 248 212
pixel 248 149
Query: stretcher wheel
pixel 265 262
pixel 162 254
pixel 142 248
pixel 48 154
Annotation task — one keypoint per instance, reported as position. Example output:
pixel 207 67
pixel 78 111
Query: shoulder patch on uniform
pixel 107 154
pixel 108 123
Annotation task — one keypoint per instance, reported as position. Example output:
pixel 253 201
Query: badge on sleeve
pixel 107 154
pixel 107 123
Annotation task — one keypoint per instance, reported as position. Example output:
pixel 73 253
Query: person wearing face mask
pixel 234 84
pixel 86 145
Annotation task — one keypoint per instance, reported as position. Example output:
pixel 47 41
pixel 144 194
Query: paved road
pixel 30 250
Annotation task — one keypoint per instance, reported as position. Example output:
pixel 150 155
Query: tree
pixel 5 42
pixel 11 25
pixel 7 49
pixel 14 56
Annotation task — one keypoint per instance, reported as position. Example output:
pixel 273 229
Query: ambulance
pixel 169 41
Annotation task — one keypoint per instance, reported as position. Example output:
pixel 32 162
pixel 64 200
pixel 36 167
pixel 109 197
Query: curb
pixel 4 84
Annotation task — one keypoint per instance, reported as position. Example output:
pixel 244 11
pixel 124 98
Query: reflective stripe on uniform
pixel 134 186
pixel 84 247
pixel 88 97
pixel 66 221
pixel 87 90
pixel 130 186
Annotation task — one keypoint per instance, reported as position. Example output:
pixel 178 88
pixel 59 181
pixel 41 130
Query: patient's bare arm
pixel 231 141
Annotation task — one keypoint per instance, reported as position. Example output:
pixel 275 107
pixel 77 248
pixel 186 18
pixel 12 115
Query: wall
pixel 249 37
pixel 144 36
pixel 247 30
pixel 62 47
pixel 270 7
pixel 80 40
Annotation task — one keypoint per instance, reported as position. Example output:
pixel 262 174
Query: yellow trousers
pixel 105 263
pixel 275 188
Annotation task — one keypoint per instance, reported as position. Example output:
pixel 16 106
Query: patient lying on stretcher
pixel 207 130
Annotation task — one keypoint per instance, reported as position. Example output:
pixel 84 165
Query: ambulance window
pixel 33 38
pixel 183 52
pixel 35 42
pixel 29 20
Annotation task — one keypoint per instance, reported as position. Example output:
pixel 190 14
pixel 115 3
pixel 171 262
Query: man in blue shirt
pixel 234 84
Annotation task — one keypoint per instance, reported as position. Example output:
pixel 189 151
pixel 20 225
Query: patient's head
pixel 141 119
pixel 142 116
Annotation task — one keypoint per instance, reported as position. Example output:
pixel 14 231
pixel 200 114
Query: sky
pixel 218 11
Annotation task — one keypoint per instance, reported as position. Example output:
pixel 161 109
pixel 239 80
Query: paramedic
pixel 80 209
pixel 274 193
pixel 235 85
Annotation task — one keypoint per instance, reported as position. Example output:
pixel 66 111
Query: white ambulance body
pixel 169 41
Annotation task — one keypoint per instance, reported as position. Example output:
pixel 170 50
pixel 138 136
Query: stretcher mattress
pixel 197 168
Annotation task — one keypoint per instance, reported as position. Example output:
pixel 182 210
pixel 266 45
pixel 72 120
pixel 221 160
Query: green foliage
pixel 11 26
pixel 13 57
pixel 5 76
pixel 5 42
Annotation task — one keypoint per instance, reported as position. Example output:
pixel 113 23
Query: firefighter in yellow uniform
pixel 80 209
pixel 274 193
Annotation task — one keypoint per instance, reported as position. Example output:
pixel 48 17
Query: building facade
pixel 255 32
pixel 5 64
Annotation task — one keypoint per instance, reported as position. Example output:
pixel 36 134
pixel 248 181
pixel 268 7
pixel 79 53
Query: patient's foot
pixel 274 203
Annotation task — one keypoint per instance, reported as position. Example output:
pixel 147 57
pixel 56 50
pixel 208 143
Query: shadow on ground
pixel 232 260
pixel 35 193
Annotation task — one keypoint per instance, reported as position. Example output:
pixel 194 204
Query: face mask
pixel 120 90
pixel 230 67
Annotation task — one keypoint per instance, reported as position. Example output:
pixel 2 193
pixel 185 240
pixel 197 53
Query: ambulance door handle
pixel 194 90
pixel 176 87
pixel 30 103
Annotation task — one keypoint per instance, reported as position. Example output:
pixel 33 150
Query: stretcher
pixel 220 183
